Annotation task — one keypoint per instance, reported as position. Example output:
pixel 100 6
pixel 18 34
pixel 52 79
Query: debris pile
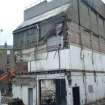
pixel 98 102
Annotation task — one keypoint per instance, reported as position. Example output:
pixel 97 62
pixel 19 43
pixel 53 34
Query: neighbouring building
pixel 6 64
pixel 6 58
pixel 63 43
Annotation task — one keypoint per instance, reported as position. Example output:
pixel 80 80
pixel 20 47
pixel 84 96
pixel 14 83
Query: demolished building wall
pixel 69 45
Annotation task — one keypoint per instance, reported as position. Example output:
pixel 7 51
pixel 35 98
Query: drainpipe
pixel 36 89
pixel 0 97
pixel 78 6
pixel 59 56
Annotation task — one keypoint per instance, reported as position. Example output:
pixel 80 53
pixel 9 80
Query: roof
pixel 43 7
pixel 45 16
pixel 6 76
pixel 46 10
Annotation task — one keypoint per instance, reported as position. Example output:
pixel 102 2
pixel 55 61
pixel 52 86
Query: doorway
pixel 76 95
pixel 60 92
pixel 30 96
pixel 52 92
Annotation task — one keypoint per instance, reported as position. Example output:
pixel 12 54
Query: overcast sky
pixel 11 15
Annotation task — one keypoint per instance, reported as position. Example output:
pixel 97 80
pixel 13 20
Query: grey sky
pixel 11 15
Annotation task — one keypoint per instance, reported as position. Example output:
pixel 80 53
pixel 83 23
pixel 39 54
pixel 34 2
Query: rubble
pixel 98 102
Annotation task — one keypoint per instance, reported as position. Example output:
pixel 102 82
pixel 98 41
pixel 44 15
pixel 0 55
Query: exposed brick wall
pixel 102 45
pixel 95 43
pixel 21 67
pixel 73 33
pixel 85 38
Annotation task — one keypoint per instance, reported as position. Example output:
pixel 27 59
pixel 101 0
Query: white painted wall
pixel 77 80
pixel 22 93
pixel 75 59
pixel 72 58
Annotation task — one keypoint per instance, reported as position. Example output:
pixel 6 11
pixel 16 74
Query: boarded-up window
pixel 84 15
pixel 90 88
pixel 47 29
pixel 93 18
pixel 24 38
pixel 70 10
pixel 73 11
pixel 101 26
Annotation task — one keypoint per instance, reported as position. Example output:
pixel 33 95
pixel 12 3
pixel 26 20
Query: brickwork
pixel 85 38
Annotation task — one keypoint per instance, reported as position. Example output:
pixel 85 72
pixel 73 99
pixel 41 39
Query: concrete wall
pixel 22 93
pixel 72 58
pixel 89 91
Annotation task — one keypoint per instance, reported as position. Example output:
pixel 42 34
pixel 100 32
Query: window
pixel 93 18
pixel 8 52
pixel 47 29
pixel 90 88
pixel 101 26
pixel 84 15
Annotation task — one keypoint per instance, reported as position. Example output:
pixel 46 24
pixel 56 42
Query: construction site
pixel 59 54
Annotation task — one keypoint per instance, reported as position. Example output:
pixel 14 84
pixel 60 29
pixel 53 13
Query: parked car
pixel 16 101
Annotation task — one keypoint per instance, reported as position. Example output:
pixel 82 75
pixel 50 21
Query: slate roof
pixel 45 11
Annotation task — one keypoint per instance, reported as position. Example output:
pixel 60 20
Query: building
pixel 8 68
pixel 6 64
pixel 6 58
pixel 63 42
